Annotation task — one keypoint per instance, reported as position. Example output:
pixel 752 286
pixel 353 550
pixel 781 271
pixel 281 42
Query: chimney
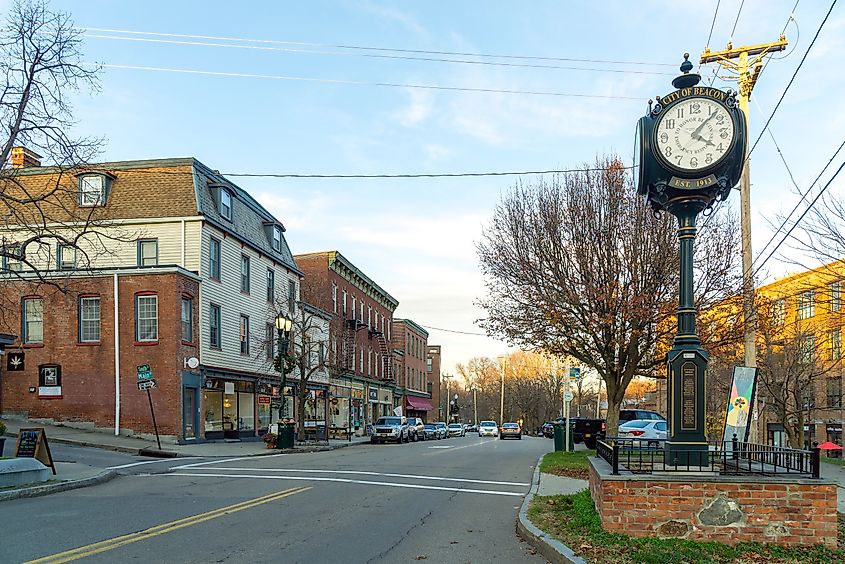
pixel 24 158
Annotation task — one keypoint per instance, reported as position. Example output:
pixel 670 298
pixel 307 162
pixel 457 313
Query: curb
pixel 36 491
pixel 554 550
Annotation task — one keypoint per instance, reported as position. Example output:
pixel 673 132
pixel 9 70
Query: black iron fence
pixel 723 457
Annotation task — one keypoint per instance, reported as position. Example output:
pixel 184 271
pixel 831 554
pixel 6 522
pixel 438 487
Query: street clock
pixel 691 143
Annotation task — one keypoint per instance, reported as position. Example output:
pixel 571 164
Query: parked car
pixel 589 430
pixel 472 428
pixel 456 430
pixel 444 431
pixel 416 429
pixel 648 432
pixel 390 429
pixel 512 430
pixel 431 431
pixel 488 429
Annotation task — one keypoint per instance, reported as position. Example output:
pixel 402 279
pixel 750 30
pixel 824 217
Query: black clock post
pixel 692 146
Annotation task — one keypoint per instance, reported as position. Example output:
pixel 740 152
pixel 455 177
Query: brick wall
pixel 88 381
pixel 725 509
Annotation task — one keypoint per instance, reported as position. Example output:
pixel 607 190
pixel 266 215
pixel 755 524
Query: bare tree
pixel 41 66
pixel 579 266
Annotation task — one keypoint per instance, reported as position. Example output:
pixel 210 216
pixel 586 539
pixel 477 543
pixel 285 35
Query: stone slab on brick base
pixel 728 509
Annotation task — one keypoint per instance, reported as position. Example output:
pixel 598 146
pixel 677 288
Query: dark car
pixel 589 431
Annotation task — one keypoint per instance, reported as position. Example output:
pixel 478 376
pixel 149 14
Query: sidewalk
pixel 131 445
pixel 836 473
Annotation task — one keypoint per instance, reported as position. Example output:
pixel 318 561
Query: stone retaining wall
pixel 727 509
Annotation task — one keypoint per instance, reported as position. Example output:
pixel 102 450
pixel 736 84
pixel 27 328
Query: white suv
pixel 488 429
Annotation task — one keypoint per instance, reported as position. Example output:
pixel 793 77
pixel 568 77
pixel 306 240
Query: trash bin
pixel 560 437
pixel 285 436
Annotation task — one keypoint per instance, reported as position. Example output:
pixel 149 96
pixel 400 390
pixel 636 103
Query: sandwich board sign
pixel 32 443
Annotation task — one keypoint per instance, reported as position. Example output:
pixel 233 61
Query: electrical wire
pixel 797 221
pixel 383 49
pixel 372 55
pixel 713 24
pixel 456 331
pixel 363 83
pixel 741 4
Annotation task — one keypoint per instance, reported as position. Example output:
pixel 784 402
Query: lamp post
pixel 504 362
pixel 283 326
pixel 475 404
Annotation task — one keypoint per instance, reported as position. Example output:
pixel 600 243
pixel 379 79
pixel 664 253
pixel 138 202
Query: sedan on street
pixel 512 430
pixel 647 432
pixel 432 432
pixel 456 430
pixel 444 431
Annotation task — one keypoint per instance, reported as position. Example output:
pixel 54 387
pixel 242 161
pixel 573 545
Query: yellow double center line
pixel 116 542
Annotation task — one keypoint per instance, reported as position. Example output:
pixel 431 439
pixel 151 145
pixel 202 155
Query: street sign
pixel 147 384
pixel 567 396
pixel 144 372
pixel 575 373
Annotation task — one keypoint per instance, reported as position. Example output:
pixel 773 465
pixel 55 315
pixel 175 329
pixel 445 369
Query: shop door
pixel 189 413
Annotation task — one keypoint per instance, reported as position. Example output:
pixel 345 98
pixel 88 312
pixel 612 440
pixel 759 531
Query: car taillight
pixel 604 426
pixel 637 433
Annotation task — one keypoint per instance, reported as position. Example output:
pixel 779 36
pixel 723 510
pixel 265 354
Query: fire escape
pixel 384 350
pixel 349 356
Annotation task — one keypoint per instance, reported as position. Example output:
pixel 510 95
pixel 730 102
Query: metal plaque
pixel 688 396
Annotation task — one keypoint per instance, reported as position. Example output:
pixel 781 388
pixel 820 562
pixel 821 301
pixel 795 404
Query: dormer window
pixel 93 189
pixel 226 204
pixel 277 238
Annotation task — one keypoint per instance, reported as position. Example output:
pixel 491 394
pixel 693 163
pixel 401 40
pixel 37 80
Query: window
pixel 835 338
pixel 778 312
pixel 89 319
pixel 334 297
pixel 245 274
pixel 270 340
pixel 226 204
pixel 271 284
pixel 428 365
pixel 321 353
pixel 33 321
pixel 244 334
pixel 65 257
pixel 806 304
pixel 353 307
pixel 187 320
pixel 147 252
pixel 806 349
pixel 344 302
pixel 214 258
pixel 361 362
pixel 13 258
pixel 834 391
pixel 808 396
pixel 836 296
pixel 369 362
pixel 369 317
pixel 214 326
pixel 277 238
pixel 92 190
pixel 291 296
pixel 146 318
pixel 361 315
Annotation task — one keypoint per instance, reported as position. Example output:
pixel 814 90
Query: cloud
pixel 296 214
pixel 396 16
pixel 418 110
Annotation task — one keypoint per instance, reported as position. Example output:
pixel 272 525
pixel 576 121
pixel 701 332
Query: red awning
pixel 418 404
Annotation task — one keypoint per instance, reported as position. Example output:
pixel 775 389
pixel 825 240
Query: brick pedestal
pixel 728 509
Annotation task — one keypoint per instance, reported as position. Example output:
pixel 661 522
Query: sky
pixel 289 88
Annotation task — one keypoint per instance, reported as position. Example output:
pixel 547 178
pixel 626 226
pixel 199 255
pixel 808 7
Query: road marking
pixel 116 542
pixel 440 447
pixel 147 462
pixel 366 473
pixel 194 465
pixel 342 480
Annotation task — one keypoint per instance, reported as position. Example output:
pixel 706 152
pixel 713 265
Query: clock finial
pixel 686 80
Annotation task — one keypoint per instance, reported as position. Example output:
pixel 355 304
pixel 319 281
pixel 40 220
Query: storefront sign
pixel 15 361
pixel 229 388
pixel 373 394
pixel 50 381
pixel 263 399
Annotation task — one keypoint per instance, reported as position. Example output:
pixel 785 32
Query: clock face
pixel 694 134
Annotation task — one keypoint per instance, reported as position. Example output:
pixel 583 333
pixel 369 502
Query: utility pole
pixel 475 404
pixel 502 399
pixel 745 64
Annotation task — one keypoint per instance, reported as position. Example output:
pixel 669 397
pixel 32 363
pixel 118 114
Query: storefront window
pixel 264 412
pixel 212 402
pixel 230 412
pixel 246 410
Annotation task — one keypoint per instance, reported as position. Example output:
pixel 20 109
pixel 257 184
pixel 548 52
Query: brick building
pixel 413 392
pixel 196 263
pixel 362 381
pixel 432 367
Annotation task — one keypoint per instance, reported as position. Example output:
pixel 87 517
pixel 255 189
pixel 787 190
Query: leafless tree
pixel 41 67
pixel 579 266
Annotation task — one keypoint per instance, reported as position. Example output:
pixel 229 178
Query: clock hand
pixel 703 123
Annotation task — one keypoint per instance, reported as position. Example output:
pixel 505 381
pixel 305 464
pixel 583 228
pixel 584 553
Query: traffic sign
pixel 147 384
pixel 575 373
pixel 567 396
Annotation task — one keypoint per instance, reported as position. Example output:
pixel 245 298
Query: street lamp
pixel 283 326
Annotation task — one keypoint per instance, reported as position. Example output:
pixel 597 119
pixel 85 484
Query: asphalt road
pixel 451 500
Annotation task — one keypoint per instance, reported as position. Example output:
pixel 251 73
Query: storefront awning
pixel 418 404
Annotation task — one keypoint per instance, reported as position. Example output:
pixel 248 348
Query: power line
pixel 456 331
pixel 736 21
pixel 794 209
pixel 797 221
pixel 713 23
pixel 382 49
pixel 791 80
pixel 363 83
pixel 371 55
